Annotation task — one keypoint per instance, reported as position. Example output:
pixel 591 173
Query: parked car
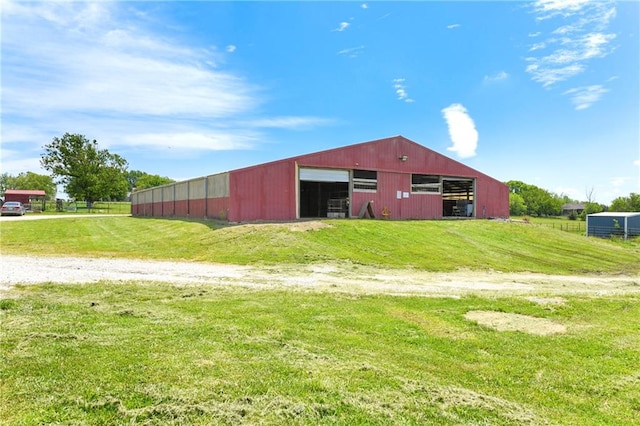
pixel 12 208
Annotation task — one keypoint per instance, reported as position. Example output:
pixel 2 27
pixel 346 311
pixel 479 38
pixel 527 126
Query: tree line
pixel 85 171
pixel 530 200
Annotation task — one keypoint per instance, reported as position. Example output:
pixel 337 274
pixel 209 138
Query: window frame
pixel 426 188
pixel 363 181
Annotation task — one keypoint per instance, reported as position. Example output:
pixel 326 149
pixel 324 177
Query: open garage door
pixel 458 197
pixel 324 193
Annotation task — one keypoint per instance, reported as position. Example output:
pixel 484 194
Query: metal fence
pixel 80 207
pixel 577 227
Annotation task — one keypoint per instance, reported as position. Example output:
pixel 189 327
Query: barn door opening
pixel 458 197
pixel 324 193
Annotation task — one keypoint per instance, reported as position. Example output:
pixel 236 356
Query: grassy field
pixel 424 245
pixel 127 353
pixel 154 353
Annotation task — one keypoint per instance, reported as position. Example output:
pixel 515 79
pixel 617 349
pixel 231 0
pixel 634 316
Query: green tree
pixel 132 178
pixel 6 182
pixel 30 180
pixel 538 201
pixel 626 204
pixel 149 181
pixel 590 208
pixel 87 172
pixel 517 207
pixel 140 180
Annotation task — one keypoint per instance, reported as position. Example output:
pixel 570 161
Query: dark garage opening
pixel 457 197
pixel 315 198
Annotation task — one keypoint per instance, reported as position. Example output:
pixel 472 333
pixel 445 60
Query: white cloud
pixel 343 26
pixel 636 163
pixel 549 8
pixel 584 97
pixel 502 75
pixel 401 90
pixel 537 46
pixel 452 26
pixel 365 6
pixel 193 141
pixel 580 38
pixel 462 130
pixel 536 34
pixel 231 48
pixel 617 182
pixel 352 52
pixel 571 192
pixel 293 123
pixel 95 69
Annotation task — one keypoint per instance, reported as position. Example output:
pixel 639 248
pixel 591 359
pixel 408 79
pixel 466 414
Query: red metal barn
pixel 25 196
pixel 396 177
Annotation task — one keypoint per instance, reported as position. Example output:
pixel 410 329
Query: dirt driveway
pixel 332 278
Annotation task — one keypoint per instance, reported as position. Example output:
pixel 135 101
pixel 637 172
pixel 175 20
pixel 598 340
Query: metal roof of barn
pixel 616 214
pixel 34 192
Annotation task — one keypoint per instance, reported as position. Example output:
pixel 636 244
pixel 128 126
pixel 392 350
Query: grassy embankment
pixel 425 245
pixel 152 353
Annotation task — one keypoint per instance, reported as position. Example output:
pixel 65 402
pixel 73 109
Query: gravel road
pixel 335 278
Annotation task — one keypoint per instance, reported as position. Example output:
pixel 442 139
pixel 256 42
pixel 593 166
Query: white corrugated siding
pixel 324 175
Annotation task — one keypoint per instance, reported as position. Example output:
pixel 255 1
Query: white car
pixel 12 208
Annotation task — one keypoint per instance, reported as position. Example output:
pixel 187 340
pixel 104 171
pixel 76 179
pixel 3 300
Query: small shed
pixel 25 196
pixel 608 224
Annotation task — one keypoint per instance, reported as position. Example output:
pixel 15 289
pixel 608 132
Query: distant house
pixel 574 208
pixel 609 224
pixel 25 196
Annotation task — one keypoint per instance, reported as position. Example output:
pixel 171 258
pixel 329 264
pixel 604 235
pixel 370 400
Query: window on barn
pixel 365 181
pixel 422 184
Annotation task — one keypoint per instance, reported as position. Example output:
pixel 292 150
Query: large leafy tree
pixel 86 171
pixel 29 180
pixel 626 204
pixel 537 201
pixel 6 180
pixel 140 180
pixel 517 207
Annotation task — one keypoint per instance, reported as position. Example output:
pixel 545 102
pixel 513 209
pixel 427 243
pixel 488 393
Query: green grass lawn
pixel 424 245
pixel 153 353
pixel 125 353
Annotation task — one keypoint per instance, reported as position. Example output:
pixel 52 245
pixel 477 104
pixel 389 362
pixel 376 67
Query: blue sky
pixel 546 92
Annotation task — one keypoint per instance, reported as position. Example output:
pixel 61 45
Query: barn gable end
pixel 396 177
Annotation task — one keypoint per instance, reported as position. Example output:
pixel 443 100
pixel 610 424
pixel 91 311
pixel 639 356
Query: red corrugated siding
pixel 218 208
pixel 492 198
pixel 268 191
pixel 417 206
pixel 21 198
pixel 169 209
pixel 197 208
pixel 263 192
pixel 181 208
